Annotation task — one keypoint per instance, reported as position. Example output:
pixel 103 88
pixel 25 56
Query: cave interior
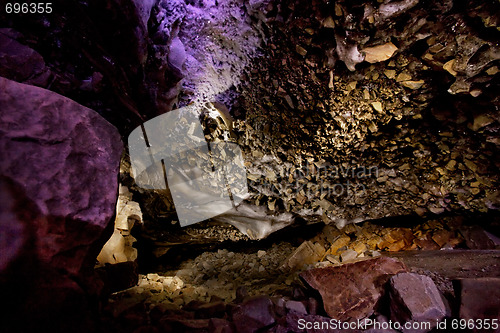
pixel 250 166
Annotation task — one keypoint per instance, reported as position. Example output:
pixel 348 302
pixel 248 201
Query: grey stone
pixel 348 255
pixel 254 314
pixel 296 306
pixel 415 298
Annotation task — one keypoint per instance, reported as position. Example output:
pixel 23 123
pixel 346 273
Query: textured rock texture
pixel 352 291
pixel 415 298
pixel 480 298
pixel 64 158
pixel 404 86
pixel 350 111
pixel 253 315
pixel 20 62
pixel 119 247
pixel 214 40
pixel 100 54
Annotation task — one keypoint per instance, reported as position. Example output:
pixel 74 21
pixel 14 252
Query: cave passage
pixel 250 166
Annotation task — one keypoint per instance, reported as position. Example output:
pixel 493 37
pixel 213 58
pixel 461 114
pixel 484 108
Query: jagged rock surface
pixel 65 159
pixel 350 292
pixel 119 248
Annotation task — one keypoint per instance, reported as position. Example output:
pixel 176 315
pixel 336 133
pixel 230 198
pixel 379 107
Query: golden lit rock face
pixel 327 110
pixel 379 53
pixel 119 248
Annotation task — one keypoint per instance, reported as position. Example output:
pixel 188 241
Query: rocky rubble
pixel 221 274
pixel 214 284
pixel 405 298
pixel 431 151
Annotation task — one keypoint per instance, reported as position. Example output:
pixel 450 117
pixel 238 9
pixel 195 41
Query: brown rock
pixel 480 298
pixel 415 298
pixel 442 237
pixel 378 106
pixel 397 246
pixel 448 66
pixel 481 121
pixel 351 291
pixel 426 243
pixel 413 84
pixel 477 238
pixel 340 242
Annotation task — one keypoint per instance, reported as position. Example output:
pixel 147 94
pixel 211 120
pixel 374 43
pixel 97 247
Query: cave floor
pixel 453 264
pixel 446 250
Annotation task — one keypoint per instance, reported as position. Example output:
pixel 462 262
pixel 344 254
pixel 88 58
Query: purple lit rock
pixel 20 62
pixel 66 159
pixel 61 162
pixel 352 291
pixel 253 315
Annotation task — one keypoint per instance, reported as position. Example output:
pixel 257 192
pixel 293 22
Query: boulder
pixel 61 162
pixel 253 315
pixel 307 253
pixel 119 248
pixel 217 325
pixel 352 291
pixel 296 306
pixel 415 298
pixel 20 62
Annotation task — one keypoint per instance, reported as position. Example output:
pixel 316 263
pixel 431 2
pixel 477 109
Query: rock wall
pixel 344 111
pixel 354 111
pixel 367 110
pixel 99 53
pixel 119 248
